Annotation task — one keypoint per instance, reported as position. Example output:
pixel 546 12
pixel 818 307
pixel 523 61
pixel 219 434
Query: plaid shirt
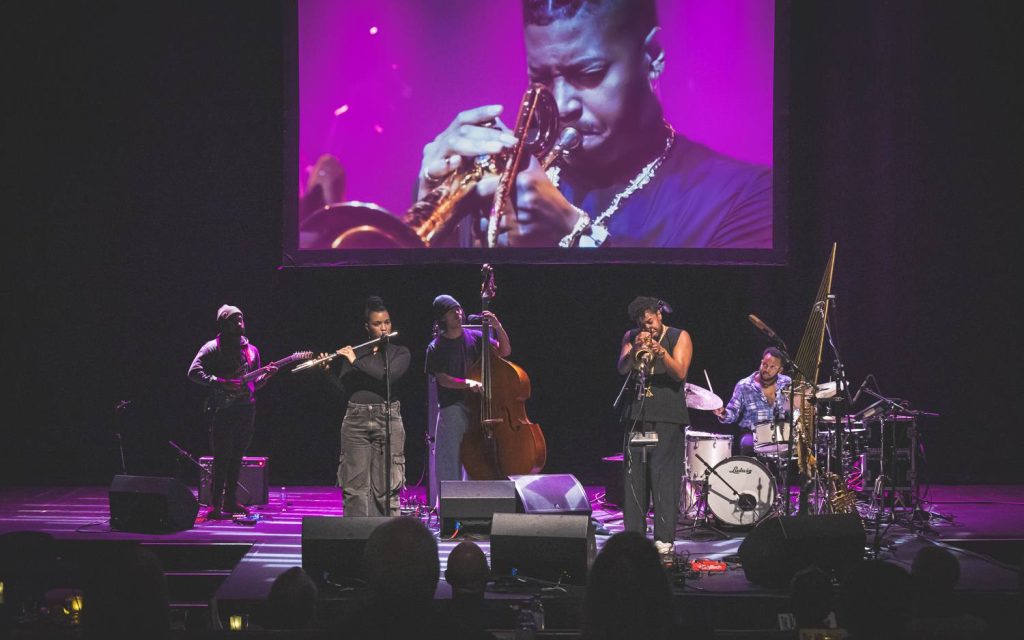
pixel 748 405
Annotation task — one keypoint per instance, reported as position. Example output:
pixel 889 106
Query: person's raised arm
pixel 677 363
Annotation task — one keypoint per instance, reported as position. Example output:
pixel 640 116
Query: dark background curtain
pixel 146 143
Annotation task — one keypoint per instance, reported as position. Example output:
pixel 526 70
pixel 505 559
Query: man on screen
pixel 633 181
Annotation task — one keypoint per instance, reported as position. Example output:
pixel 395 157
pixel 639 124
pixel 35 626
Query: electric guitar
pixel 220 398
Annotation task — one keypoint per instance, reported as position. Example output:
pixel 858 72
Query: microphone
pixel 859 389
pixel 474 318
pixel 765 329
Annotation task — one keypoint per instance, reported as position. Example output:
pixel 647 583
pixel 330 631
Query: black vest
pixel 668 404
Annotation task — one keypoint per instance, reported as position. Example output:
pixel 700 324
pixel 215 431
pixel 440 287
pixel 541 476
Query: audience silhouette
pixel 628 595
pixel 292 601
pixel 875 601
pixel 126 596
pixel 935 572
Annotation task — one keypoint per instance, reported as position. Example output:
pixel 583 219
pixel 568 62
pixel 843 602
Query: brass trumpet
pixel 536 129
pixel 644 353
pixel 360 225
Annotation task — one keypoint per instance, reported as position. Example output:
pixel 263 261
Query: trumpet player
pixel 632 181
pixel 661 355
pixel 365 377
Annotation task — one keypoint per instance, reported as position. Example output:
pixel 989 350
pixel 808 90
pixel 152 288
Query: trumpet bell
pixel 355 225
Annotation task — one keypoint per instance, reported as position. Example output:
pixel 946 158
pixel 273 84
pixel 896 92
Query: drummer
pixel 758 398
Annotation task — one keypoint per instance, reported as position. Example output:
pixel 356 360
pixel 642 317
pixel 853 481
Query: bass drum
pixel 356 225
pixel 741 491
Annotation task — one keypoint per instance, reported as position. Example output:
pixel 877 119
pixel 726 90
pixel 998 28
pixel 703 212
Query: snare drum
pixel 740 491
pixel 771 438
pixel 713 447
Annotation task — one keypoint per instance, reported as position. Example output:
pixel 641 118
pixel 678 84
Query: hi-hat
pixel 701 398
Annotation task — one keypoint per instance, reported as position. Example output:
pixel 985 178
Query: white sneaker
pixel 664 548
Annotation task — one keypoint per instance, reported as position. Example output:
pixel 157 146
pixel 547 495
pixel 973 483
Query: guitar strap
pixel 250 356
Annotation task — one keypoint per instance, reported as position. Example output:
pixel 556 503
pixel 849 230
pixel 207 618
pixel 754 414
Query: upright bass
pixel 500 441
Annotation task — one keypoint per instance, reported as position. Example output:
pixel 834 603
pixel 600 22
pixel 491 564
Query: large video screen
pixel 533 131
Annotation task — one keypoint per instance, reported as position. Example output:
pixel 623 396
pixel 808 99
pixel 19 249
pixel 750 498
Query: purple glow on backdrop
pixel 428 60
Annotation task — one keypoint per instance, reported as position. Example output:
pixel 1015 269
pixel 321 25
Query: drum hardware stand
pixel 793 368
pixel 700 514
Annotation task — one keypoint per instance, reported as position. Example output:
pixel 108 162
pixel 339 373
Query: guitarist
pixel 221 364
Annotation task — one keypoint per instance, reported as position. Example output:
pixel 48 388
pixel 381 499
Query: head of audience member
pixel 600 58
pixel 127 596
pixel 292 601
pixel 401 562
pixel 935 572
pixel 811 597
pixel 875 601
pixel 28 565
pixel 628 594
pixel 467 570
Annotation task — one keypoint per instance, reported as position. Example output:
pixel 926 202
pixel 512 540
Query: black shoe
pixel 217 514
pixel 236 510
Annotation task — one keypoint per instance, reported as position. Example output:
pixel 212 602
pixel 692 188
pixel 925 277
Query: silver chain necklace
pixel 596 231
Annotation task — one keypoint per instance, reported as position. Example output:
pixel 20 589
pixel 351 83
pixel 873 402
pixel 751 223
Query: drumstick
pixel 709 381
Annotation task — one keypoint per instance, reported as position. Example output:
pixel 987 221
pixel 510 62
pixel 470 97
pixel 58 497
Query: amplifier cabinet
pixel 253 480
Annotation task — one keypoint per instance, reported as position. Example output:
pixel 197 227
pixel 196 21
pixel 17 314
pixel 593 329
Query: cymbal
pixel 825 390
pixel 701 398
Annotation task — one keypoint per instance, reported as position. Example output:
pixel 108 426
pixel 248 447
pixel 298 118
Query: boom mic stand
pixel 788 365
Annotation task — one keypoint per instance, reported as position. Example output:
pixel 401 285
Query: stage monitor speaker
pixel 552 493
pixel 779 547
pixel 145 504
pixel 543 546
pixel 332 547
pixel 253 487
pixel 469 505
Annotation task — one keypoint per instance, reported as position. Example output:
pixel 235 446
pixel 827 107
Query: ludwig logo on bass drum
pixel 740 470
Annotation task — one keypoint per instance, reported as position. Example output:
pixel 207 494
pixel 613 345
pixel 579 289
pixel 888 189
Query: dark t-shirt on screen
pixel 697 199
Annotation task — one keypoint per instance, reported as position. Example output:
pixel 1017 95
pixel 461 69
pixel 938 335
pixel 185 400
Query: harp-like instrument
pixel 805 378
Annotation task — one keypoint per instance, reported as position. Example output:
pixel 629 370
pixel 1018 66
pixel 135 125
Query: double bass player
pixel 449 357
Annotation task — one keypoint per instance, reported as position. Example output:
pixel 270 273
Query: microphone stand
pixel 387 424
pixel 842 387
pixel 119 413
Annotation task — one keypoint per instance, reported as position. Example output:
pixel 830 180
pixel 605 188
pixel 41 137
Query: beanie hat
pixel 443 304
pixel 226 311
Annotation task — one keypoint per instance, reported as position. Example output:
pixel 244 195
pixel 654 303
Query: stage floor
pixel 982 525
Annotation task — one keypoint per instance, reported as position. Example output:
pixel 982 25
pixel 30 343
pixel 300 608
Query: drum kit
pixel 737 490
pixel 740 491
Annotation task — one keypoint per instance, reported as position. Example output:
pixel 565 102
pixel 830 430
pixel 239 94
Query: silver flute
pixel 308 364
